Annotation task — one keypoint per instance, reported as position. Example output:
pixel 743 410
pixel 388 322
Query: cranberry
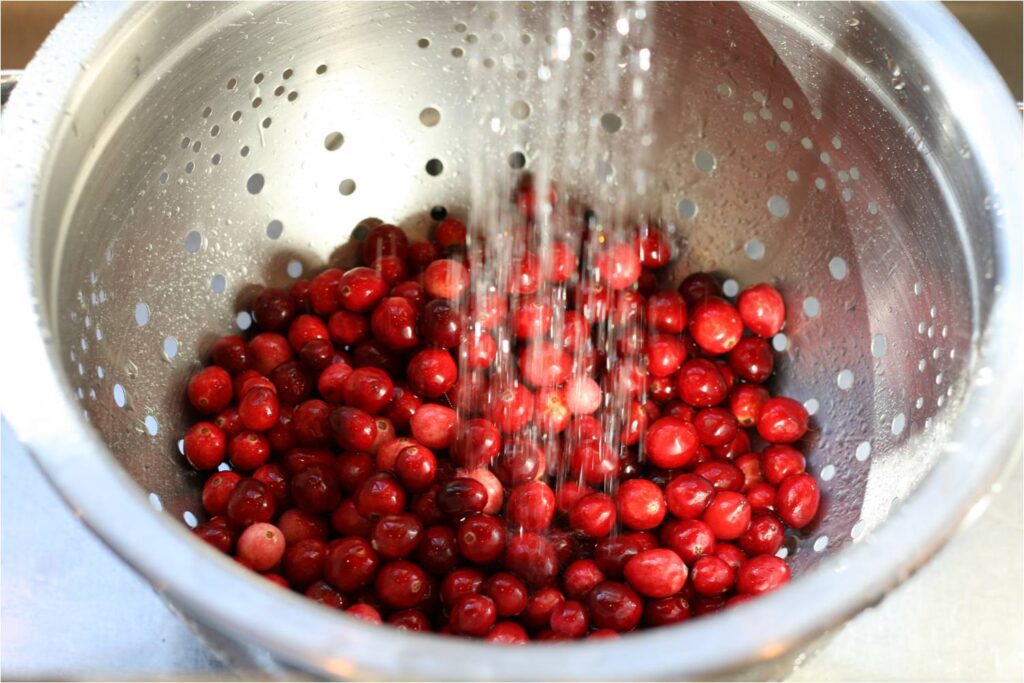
pixel 723 475
pixel 764 536
pixel 292 384
pixel 782 420
pixel 520 462
pixel 209 390
pixel 593 515
pixel 666 312
pixel 612 554
pixel 488 309
pixel 479 441
pixel 323 292
pixel 654 248
pixel 410 620
pixel 384 239
pixel 740 445
pixel 354 429
pixel 268 350
pixel 401 584
pixel 580 577
pixel 715 426
pixel 761 497
pixel 347 521
pixel 666 611
pixel 540 607
pixel 481 538
pixel 317 354
pixel 205 446
pixel 461 582
pixel 438 550
pixel 665 353
pixel 478 350
pixel 228 421
pixel 299 294
pixel 421 254
pixel 446 279
pixel 746 402
pixel 379 496
pixel 671 442
pixel 689 539
pixel 728 515
pixel 231 353
pixel 303 562
pixel 248 450
pixel 347 328
pixel 712 576
pixel 249 503
pixel 615 606
pixel 562 262
pixel 404 404
pixel 762 310
pixel 543 364
pixel 432 372
pixel 297 525
pixel 656 573
pixel 618 265
pixel 752 359
pixel 416 468
pixel 304 329
pixel 715 325
pixel 351 564
pixel 218 532
pixel 509 594
pixel 434 425
pixel 575 332
pixel 396 536
pixel 524 277
pixel 321 592
pixel 750 465
pixel 298 459
pixel 394 324
pixel 365 612
pixel 531 318
pixel 315 489
pixel 274 478
pixel 258 410
pixel 797 500
pixel 779 462
pixel 641 505
pixel 373 353
pixel 272 310
pixel 461 497
pixel 730 554
pixel 511 408
pixel 593 462
pixel 391 268
pixel 700 383
pixel 260 547
pixel 368 389
pixel 507 633
pixel 583 395
pixel 450 232
pixel 762 574
pixel 472 615
pixel 699 287
pixel 569 620
pixel 217 490
pixel 312 422
pixel 532 558
pixel 531 506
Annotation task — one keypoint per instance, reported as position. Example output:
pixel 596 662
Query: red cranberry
pixel 752 359
pixel 304 329
pixel 248 450
pixel 359 289
pixel 401 584
pixel 391 268
pixel 700 383
pixel 228 421
pixel 524 277
pixel 551 414
pixel 410 620
pixel 481 538
pixel 666 611
pixel 311 421
pixel 472 615
pixel 531 506
pixel 612 554
pixel 615 606
pixel 297 525
pixel 323 292
pixel 562 262
pixel 274 478
pixel 666 312
pixel 580 577
pixel 570 620
pixel 210 390
pixel 446 279
pixel 671 442
pixel 641 505
pixel 723 475
pixel 396 536
pixel 479 441
pixel 618 265
pixel 715 426
pixel 656 573
pixel 478 350
pixel 258 410
pixel 543 364
pixel 205 446
pixel 354 429
pixel 250 503
pixel 416 468
pixel 365 612
pixel 272 310
pixel 303 562
pixel 764 536
pixel 797 500
pixel 268 350
pixel 761 497
pixel 593 515
pixel 434 425
pixel 347 328
pixel 728 515
pixel 654 248
pixel 290 382
pixel 321 592
pixel 438 550
pixel 298 459
pixel 461 497
pixel 316 355
pixel 315 490
pixel 740 445
pixel 762 310
pixel 368 389
pixel 762 574
pixel 384 239
pixel 712 576
pixel 532 558
pixel 231 353
pixel 509 594
pixel 218 532
pixel 507 633
pixel 404 404
pixel 689 539
pixel 782 420
pixel 583 395
pixel 432 372
pixel 421 254
pixel 442 324
pixel 715 325
pixel 688 495
pixel 351 564
pixel 730 554
pixel 540 607
pixel 665 353
pixel 520 462
pixel 779 462
pixel 347 521
pixel 217 490
pixel 352 469
pixel 699 287
pixel 379 496
pixel 394 324
pixel 461 582
pixel 260 547
pixel 450 232
pixel 746 402
pixel 531 318
pixel 511 408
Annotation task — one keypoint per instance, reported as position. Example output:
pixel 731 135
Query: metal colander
pixel 167 160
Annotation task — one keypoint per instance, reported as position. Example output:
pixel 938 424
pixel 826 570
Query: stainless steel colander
pixel 163 160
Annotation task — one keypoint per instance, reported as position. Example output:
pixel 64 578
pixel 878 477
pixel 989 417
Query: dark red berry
pixel 250 503
pixel 350 564
pixel 273 309
pixel 797 500
pixel 379 496
pixel 205 446
pixel 354 429
pixel 762 310
pixel 615 606
pixel 401 584
pixel 210 390
pixel 640 503
pixel 656 573
pixel 782 420
pixel 315 489
pixel 762 574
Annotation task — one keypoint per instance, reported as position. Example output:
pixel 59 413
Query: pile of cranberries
pixel 342 470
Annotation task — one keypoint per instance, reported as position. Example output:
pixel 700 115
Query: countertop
pixel 72 609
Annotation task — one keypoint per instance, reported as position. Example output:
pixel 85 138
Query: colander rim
pixel 197 578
